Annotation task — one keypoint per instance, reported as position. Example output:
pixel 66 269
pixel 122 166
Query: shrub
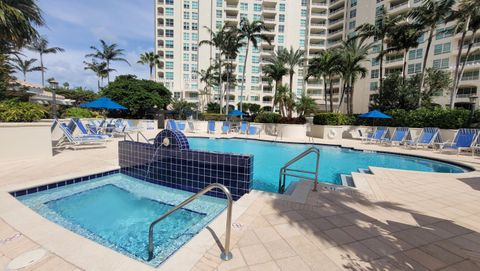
pixel 268 117
pixel 77 112
pixel 21 112
pixel 211 116
pixel 332 119
pixel 299 120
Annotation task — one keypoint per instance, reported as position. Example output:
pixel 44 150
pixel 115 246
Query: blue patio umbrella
pixel 103 103
pixel 375 114
pixel 236 113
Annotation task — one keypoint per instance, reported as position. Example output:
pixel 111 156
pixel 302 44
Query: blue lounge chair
pixel 253 130
pixel 427 138
pixel 378 134
pixel 84 131
pixel 69 140
pixel 211 127
pixel 243 127
pixel 368 136
pixel 464 140
pixel 226 127
pixel 398 137
pixel 172 125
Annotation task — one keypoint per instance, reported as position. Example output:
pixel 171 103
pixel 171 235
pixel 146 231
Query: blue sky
pixel 75 25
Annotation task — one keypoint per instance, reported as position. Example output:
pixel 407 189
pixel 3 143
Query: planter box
pixel 25 141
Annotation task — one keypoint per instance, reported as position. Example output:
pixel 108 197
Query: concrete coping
pixel 24 124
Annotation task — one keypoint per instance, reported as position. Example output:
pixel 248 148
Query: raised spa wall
pixel 170 162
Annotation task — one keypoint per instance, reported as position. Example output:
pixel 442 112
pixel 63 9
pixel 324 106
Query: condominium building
pixel 311 25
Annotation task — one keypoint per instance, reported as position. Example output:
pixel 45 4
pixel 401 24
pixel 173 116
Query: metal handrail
pixel 283 171
pixel 139 133
pixel 226 254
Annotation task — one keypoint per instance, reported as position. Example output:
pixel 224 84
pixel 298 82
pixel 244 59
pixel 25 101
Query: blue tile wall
pixel 27 191
pixel 189 170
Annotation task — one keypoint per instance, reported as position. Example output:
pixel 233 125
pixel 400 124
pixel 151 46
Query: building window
pixel 194 26
pixel 186 56
pixel 442 48
pixel 186 47
pixel 194 5
pixel 169 33
pixel 168 22
pixel 244 6
pixel 257 7
pixel 281 18
pixel 443 33
pixel 255 79
pixel 169 75
pixel 257 17
pixel 194 36
pixel 169 2
pixel 186 15
pixel 194 15
pixel 255 69
pixel 414 68
pixel 281 28
pixel 186 36
pixel 415 54
pixel 353 13
pixel 186 4
pixel 219 13
pixel 169 54
pixel 353 3
pixel 303 13
pixel 194 57
pixel 169 43
pixel 169 11
pixel 375 61
pixel 255 59
pixel 351 25
pixel 281 7
pixel 301 43
pixel 169 65
pixel 219 3
pixel 186 67
pixel 186 26
pixel 374 74
pixel 281 39
pixel 441 63
pixel 240 69
pixel 373 86
pixel 194 47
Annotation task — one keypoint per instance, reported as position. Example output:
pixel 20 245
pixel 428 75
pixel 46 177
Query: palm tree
pixel 379 31
pixel 468 19
pixel 18 19
pixel 40 45
pixel 292 59
pixel 354 53
pixel 217 40
pixel 233 43
pixel 25 66
pixel 108 53
pixel 100 69
pixel 151 59
pixel 275 70
pixel 426 17
pixel 325 65
pixel 209 78
pixel 406 37
pixel 305 105
pixel 252 33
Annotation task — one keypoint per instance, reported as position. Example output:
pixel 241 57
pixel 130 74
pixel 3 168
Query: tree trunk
pixel 43 69
pixel 381 67
pixel 342 97
pixel 151 72
pixel 275 95
pixel 25 76
pixel 325 92
pixel 424 65
pixel 243 77
pixel 290 109
pixel 404 71
pixel 351 96
pixel 331 95
pixel 456 77
pixel 227 90
pixel 220 87
pixel 108 71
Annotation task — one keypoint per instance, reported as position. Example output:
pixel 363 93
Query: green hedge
pixel 211 116
pixel 332 119
pixel 77 112
pixel 21 112
pixel 268 117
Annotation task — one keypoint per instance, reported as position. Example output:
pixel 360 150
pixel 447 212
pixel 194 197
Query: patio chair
pixel 243 128
pixel 398 137
pixel 172 125
pixel 69 140
pixel 211 127
pixel 368 136
pixel 84 131
pixel 191 127
pixel 226 127
pixel 378 135
pixel 464 140
pixel 427 138
pixel 253 130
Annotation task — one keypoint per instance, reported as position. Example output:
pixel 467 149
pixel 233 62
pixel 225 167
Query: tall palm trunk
pixel 424 65
pixel 325 92
pixel 381 67
pixel 342 96
pixel 243 76
pixel 350 87
pixel 25 76
pixel 404 70
pixel 331 94
pixel 43 69
pixel 227 90
pixel 151 72
pixel 220 83
pixel 274 95
pixel 108 71
pixel 456 77
pixel 290 109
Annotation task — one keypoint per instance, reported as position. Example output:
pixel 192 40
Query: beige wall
pixel 25 141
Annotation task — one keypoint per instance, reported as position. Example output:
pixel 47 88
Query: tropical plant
pixel 21 112
pixel 275 69
pixel 252 33
pixel 182 107
pixel 213 107
pixel 66 85
pixel 426 17
pixel 79 94
pixel 139 96
pixel 467 16
pixel 151 60
pixel 284 100
pixel 353 53
pixel 232 44
pixel 209 78
pixel 40 45
pixel 78 112
pixel 18 19
pixel 292 59
pixel 217 40
pixel 108 53
pixel 332 119
pixel 382 28
pixel 268 117
pixel 325 65
pixel 305 106
pixel 101 70
pixel 406 37
pixel 25 66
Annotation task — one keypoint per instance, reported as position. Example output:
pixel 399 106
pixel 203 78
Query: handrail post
pixel 226 254
pixel 283 170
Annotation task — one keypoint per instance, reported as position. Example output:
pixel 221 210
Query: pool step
pixel 347 180
pixel 365 171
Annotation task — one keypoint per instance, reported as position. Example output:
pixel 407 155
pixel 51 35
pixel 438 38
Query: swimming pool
pixel 269 157
pixel 116 211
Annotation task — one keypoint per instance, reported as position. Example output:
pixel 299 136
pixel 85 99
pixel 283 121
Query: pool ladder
pixel 226 254
pixel 286 171
pixel 139 134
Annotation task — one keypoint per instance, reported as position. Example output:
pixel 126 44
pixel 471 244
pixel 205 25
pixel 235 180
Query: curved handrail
pixel 283 170
pixel 226 254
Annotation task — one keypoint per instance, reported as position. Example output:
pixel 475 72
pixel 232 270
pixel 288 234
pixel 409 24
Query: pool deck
pixel 395 220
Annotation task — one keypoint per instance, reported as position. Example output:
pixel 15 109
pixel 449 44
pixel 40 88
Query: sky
pixel 75 25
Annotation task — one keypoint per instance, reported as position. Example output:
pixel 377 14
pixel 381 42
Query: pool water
pixel 269 157
pixel 117 210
